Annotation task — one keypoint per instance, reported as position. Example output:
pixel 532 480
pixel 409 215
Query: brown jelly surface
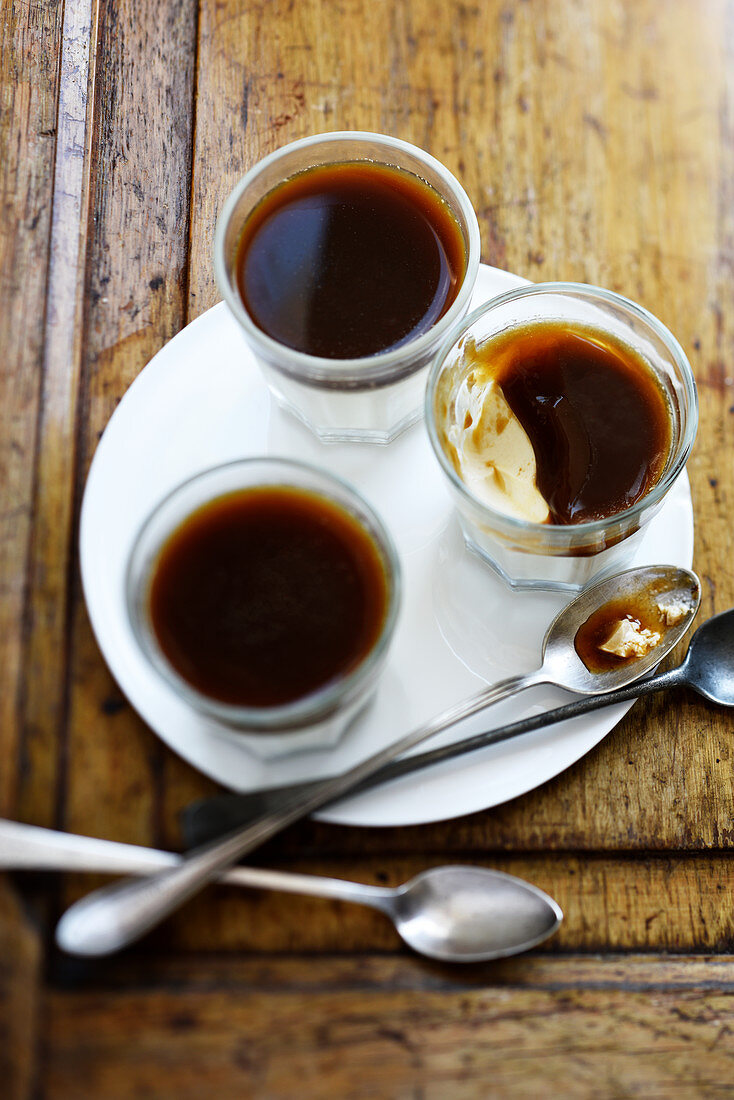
pixel 264 595
pixel 596 415
pixel 346 260
pixel 599 627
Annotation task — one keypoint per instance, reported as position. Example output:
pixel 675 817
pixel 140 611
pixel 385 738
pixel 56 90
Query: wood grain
pixel 44 685
pixel 28 91
pixel 20 996
pixel 616 1028
pixel 30 49
pixel 596 142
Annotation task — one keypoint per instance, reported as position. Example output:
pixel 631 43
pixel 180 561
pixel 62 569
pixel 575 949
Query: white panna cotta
pixel 491 450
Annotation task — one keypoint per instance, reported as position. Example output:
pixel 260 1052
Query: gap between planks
pixel 210 972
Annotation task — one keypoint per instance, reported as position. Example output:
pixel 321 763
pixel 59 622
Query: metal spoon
pixel 114 916
pixel 456 914
pixel 708 669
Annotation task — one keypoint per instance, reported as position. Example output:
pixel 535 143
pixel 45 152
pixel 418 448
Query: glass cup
pixel 318 719
pixel 554 556
pixel 369 399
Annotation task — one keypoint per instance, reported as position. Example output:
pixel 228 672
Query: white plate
pixel 201 401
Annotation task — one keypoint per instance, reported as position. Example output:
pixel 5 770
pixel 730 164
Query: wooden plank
pixel 20 982
pixel 44 663
pixel 610 904
pixel 135 286
pixel 205 972
pixel 30 51
pixel 29 47
pixel 623 1027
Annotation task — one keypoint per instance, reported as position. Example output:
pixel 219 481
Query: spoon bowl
pixel 562 664
pixel 709 664
pixel 471 914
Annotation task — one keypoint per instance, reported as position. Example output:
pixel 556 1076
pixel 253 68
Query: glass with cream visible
pixel 561 415
pixel 266 592
pixel 346 258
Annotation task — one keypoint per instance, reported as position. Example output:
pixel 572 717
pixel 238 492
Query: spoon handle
pixel 116 915
pixel 32 848
pixel 209 818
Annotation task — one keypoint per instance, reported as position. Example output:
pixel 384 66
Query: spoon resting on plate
pixel 116 915
pixel 708 669
pixel 455 914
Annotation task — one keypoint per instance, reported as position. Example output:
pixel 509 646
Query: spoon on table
pixel 708 668
pixel 456 914
pixel 108 919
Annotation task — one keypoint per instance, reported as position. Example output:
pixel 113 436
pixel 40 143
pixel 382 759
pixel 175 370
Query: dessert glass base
pixel 315 737
pixel 519 570
pixel 376 415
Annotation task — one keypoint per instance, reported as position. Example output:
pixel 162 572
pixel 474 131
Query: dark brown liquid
pixel 346 260
pixel 598 629
pixel 267 594
pixel 597 418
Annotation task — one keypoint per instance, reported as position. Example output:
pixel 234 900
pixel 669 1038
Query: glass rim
pixel 559 533
pixel 307 709
pixel 369 370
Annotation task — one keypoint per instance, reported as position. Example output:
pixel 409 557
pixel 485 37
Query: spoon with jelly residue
pixel 110 918
pixel 708 669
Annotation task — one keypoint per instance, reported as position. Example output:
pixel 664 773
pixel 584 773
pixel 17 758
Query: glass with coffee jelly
pixel 265 592
pixel 346 258
pixel 561 415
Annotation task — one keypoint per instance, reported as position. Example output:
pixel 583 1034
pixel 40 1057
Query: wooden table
pixel 596 142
